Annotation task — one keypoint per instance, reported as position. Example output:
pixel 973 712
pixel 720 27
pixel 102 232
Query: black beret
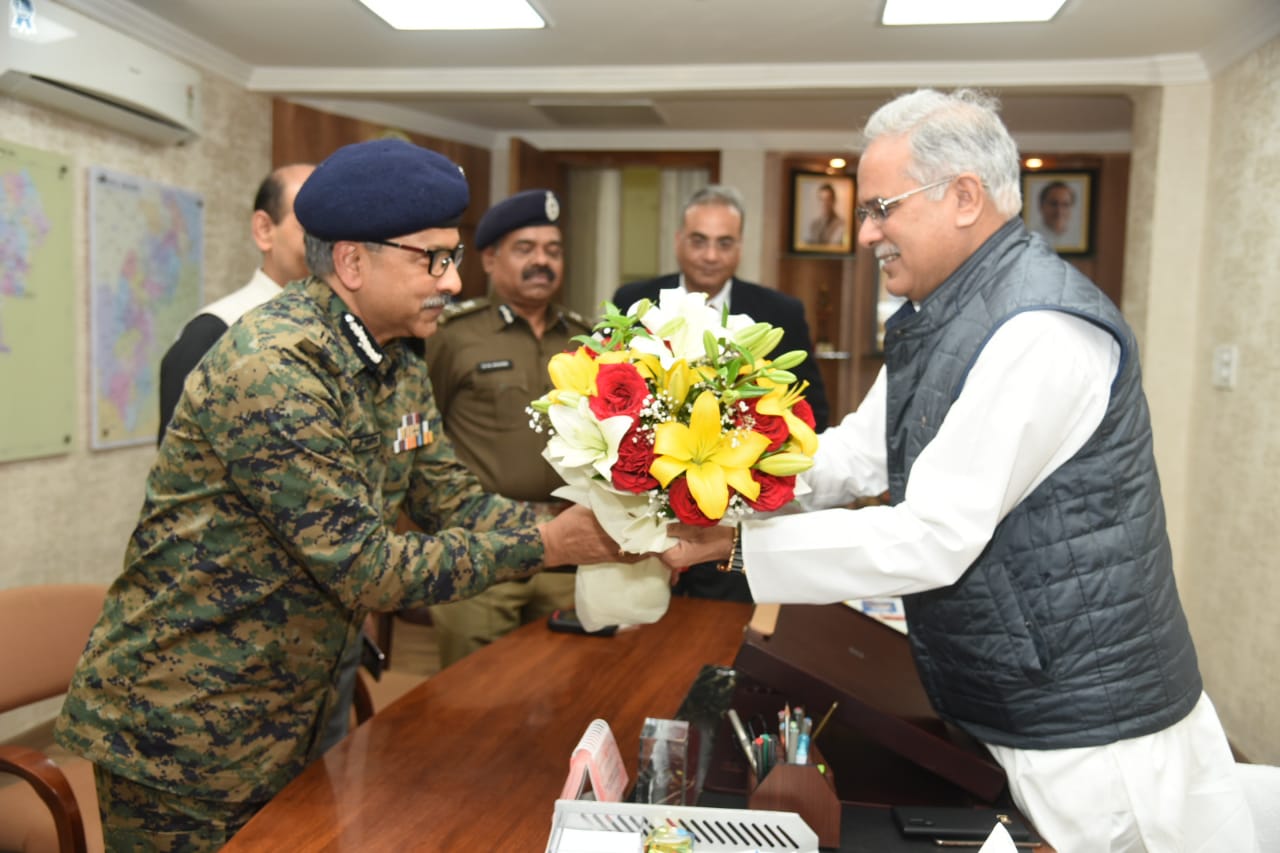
pixel 522 210
pixel 380 189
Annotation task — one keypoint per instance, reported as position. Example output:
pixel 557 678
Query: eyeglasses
pixel 438 260
pixel 878 209
pixel 700 242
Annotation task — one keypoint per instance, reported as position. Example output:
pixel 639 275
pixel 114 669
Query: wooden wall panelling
pixel 830 286
pixel 304 135
pixel 532 168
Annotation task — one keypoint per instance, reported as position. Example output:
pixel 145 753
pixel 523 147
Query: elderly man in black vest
pixel 1026 530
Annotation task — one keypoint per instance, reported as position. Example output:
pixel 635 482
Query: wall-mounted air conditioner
pixel 71 63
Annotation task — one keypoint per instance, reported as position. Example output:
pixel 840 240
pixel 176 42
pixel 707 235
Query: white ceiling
pixel 698 66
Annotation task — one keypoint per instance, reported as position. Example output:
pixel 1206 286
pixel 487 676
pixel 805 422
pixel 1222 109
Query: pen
pixel 802 749
pixel 743 740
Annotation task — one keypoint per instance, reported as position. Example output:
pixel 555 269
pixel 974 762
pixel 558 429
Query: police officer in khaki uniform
pixel 487 362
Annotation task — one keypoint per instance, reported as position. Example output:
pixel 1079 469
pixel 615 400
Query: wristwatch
pixel 734 563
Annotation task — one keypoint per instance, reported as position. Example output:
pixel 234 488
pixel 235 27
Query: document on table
pixel 887 611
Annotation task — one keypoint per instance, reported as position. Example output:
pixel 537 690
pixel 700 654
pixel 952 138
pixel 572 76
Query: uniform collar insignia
pixel 508 316
pixel 354 330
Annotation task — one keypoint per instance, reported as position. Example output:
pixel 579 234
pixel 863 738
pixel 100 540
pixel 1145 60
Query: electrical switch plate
pixel 1226 360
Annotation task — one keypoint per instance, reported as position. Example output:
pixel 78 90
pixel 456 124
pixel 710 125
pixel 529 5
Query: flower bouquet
pixel 671 412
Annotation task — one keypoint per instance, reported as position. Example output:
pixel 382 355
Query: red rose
pixel 804 412
pixel 774 491
pixel 771 427
pixel 620 390
pixel 683 504
pixel 635 454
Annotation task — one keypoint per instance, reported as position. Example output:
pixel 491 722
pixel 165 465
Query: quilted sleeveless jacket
pixel 1067 630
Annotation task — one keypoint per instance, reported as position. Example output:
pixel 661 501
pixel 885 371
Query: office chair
pixel 43 631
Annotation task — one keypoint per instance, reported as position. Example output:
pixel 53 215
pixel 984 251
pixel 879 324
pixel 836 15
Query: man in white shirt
pixel 278 236
pixel 1025 530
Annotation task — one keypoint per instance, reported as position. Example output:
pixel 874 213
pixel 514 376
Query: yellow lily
pixel 711 459
pixel 677 381
pixel 617 356
pixel 575 371
pixel 778 402
pixel 650 366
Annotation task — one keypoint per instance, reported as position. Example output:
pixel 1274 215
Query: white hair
pixel 953 133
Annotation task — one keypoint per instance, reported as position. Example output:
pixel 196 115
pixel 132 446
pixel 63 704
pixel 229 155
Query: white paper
pixel 622 594
pixel 598 841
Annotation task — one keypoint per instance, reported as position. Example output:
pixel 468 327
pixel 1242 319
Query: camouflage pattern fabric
pixel 265 538
pixel 140 818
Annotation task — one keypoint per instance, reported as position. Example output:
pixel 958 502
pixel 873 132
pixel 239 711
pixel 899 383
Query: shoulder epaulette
pixel 574 317
pixel 454 310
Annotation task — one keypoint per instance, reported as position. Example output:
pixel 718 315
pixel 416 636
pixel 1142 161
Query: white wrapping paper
pixel 622 593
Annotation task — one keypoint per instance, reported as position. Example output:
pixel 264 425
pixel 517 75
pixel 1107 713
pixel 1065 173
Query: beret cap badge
pixel 522 210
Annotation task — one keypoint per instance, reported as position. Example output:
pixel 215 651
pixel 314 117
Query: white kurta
pixel 1036 393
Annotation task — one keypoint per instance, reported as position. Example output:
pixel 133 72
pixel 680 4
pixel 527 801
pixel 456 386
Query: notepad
pixel 596 759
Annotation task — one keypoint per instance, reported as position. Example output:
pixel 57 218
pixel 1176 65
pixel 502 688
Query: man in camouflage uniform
pixel 267 530
pixel 487 362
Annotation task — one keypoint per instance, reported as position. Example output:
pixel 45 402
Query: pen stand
pixel 803 789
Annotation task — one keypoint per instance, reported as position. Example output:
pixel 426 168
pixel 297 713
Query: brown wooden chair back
pixel 43 631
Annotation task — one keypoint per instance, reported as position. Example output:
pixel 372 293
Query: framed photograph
pixel 1059 207
pixel 821 213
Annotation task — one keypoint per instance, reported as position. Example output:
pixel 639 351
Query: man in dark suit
pixel 708 248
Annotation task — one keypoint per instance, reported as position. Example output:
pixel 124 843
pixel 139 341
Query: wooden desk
pixel 474 758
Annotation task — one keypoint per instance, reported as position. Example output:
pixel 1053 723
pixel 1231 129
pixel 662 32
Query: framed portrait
pixel 821 213
pixel 1059 206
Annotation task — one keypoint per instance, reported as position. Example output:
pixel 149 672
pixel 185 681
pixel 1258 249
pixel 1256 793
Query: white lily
pixel 681 321
pixel 582 441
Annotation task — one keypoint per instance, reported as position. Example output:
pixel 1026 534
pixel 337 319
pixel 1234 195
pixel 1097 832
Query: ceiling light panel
pixel 909 13
pixel 454 15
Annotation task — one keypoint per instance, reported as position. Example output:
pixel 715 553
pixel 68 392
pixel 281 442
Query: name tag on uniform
pixel 411 433
pixel 498 364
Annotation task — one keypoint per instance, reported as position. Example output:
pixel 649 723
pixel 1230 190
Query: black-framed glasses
pixel 438 260
pixel 878 209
